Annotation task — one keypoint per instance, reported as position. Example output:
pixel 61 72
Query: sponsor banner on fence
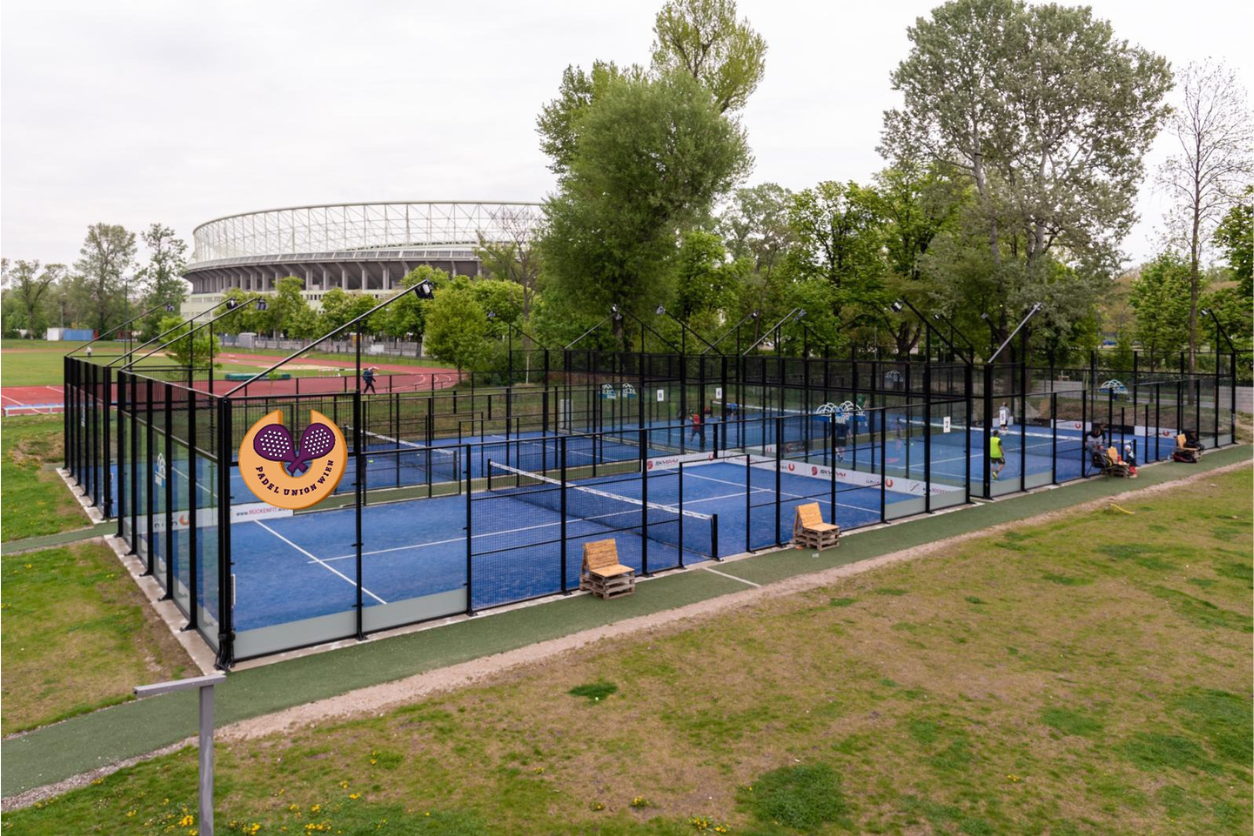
pixel 208 517
pixel 1146 432
pixel 669 462
pixel 848 476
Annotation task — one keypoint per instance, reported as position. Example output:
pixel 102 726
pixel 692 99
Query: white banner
pixel 844 476
pixel 208 517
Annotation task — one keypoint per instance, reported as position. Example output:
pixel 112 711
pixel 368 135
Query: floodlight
pixel 1205 311
pixel 169 308
pixel 661 309
pixel 491 314
pixel 231 304
pixel 896 306
pixel 262 304
pixel 801 314
pixel 424 290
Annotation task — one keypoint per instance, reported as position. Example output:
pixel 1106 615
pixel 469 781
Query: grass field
pixel 1090 674
pixel 78 636
pixel 33 499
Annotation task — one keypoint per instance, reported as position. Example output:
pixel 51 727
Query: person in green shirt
pixel 995 454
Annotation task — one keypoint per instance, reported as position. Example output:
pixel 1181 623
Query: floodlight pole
pixel 735 329
pixel 423 290
pixel 953 331
pixel 167 332
pixel 169 309
pixel 896 306
pixel 795 312
pixel 204 685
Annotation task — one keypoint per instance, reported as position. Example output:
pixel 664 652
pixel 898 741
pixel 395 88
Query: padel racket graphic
pixel 274 443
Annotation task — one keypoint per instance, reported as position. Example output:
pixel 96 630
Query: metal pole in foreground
pixel 204 684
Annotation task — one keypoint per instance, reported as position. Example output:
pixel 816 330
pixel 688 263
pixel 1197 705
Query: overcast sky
pixel 135 112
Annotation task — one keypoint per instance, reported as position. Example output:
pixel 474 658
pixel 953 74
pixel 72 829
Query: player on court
pixel 996 456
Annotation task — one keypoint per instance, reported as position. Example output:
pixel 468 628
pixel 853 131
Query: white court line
pixel 321 563
pixel 786 493
pixel 732 577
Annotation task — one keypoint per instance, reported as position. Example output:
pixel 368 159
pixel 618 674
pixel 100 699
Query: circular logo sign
pixel 287 475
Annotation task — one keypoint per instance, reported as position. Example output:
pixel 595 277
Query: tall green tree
pixel 650 158
pixel 287 305
pixel 1235 238
pixel 1160 297
pixel 457 329
pixel 162 277
pixel 1213 129
pixel 1048 116
pixel 840 239
pixel 704 39
pixel 29 289
pixel 102 274
pixel 758 237
pixel 186 349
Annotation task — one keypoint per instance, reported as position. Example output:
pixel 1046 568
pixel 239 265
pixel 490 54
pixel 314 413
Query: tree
pixel 1213 129
pixel 100 283
pixel 651 155
pixel 1160 297
pixel 162 277
pixel 703 284
pixel 407 315
pixel 1235 238
pixel 28 288
pixel 513 259
pixel 755 226
pixel 558 123
pixel 187 350
pixel 1047 116
pixel 704 39
pixel 287 305
pixel 839 239
pixel 457 328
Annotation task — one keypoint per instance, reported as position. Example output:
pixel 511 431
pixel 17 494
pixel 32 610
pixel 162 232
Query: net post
pixel 150 498
pixel 1084 425
pixel 779 467
pixel 884 466
pixel 168 451
pixel 644 500
pixel 470 588
pixel 193 553
pixel 121 530
pixel 561 451
pixel 358 496
pixel 226 602
pixel 748 501
pixel 106 467
pixel 681 514
pixel 1053 436
pixel 135 475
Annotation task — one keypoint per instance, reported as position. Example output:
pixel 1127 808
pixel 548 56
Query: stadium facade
pixel 359 247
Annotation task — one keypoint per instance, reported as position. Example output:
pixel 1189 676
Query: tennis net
pixel 687 530
pixel 413 462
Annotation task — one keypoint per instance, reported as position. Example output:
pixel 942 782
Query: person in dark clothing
pixel 367 378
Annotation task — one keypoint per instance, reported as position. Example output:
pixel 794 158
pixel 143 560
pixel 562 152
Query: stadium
pixel 357 247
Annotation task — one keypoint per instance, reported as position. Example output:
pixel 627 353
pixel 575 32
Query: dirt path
pixel 378 698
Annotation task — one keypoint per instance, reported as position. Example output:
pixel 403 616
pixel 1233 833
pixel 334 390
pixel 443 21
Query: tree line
pixel 1012 163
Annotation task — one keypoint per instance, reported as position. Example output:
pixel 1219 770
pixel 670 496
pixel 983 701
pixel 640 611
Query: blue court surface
pixel 298 567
